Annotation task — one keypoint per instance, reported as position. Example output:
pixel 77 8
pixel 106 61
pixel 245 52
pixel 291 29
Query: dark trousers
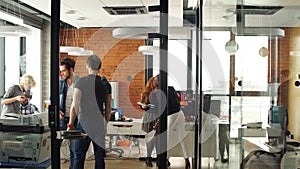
pixel 81 147
pixel 223 139
pixel 63 126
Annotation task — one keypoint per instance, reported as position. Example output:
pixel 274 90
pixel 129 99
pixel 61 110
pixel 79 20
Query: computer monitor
pixel 279 115
pixel 212 106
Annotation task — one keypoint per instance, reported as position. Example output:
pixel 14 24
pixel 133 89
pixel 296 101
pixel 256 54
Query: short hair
pixel 68 62
pixel 94 62
pixel 27 80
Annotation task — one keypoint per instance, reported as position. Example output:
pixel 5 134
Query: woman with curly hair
pixel 150 118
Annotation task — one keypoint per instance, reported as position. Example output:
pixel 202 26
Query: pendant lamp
pixel 81 53
pixel 149 50
pixel 14 31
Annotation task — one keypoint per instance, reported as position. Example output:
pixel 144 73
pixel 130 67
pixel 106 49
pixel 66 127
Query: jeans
pixel 81 147
pixel 63 126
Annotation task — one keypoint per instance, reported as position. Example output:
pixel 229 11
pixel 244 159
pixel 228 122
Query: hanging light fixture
pixel 231 47
pixel 148 50
pixel 263 52
pixel 13 30
pixel 67 49
pixel 10 18
pixel 82 52
pixel 295 53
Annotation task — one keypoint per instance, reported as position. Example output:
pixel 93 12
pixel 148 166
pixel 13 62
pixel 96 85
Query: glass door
pixel 260 53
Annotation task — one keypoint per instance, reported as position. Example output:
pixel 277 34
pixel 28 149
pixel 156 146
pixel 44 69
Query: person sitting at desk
pixel 15 95
pixel 26 107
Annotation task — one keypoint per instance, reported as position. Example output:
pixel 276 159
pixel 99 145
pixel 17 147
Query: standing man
pixel 91 94
pixel 66 89
pixel 283 89
pixel 283 99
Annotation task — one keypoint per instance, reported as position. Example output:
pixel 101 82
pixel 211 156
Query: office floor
pixel 112 160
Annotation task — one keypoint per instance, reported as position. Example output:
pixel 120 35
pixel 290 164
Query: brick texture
pixel 121 62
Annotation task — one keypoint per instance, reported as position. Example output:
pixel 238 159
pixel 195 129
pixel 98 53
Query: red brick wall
pixel 121 62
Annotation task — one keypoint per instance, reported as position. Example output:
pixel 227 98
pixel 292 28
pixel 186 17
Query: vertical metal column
pixel 2 67
pixel 148 63
pixel 276 74
pixel 189 62
pixel 54 93
pixel 199 32
pixel 163 78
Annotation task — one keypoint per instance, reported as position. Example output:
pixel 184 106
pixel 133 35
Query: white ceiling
pixel 96 16
pixel 214 13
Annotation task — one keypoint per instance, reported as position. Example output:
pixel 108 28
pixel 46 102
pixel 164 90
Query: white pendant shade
pixel 133 33
pixel 231 47
pixel 295 53
pixel 81 53
pixel 11 18
pixel 66 49
pixel 148 50
pixel 14 31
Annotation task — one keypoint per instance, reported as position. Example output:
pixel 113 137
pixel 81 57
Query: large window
pixel 216 62
pixel 177 63
pixel 251 67
pixel 17 54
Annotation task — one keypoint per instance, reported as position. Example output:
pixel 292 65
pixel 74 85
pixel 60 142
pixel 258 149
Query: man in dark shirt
pixel 90 94
pixel 283 89
pixel 283 99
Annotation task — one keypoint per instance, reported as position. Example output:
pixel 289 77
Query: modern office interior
pixel 234 64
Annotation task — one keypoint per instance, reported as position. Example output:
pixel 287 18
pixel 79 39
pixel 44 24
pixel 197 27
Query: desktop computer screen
pixel 211 106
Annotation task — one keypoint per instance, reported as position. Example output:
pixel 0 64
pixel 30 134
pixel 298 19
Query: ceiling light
pixel 133 33
pixel 14 31
pixel 295 53
pixel 67 49
pixel 231 47
pixel 81 18
pixel 263 52
pixel 71 12
pixel 11 18
pixel 230 11
pixel 271 32
pixel 81 53
pixel 226 17
pixel 149 50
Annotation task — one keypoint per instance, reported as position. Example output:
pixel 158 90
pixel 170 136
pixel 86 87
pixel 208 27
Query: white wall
pixel 12 60
pixel 177 63
pixel 33 64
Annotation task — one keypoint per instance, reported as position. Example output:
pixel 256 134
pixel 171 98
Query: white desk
pixel 259 143
pixel 133 128
pixel 125 128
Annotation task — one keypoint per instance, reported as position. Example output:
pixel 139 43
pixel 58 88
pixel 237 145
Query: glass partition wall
pixel 253 47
